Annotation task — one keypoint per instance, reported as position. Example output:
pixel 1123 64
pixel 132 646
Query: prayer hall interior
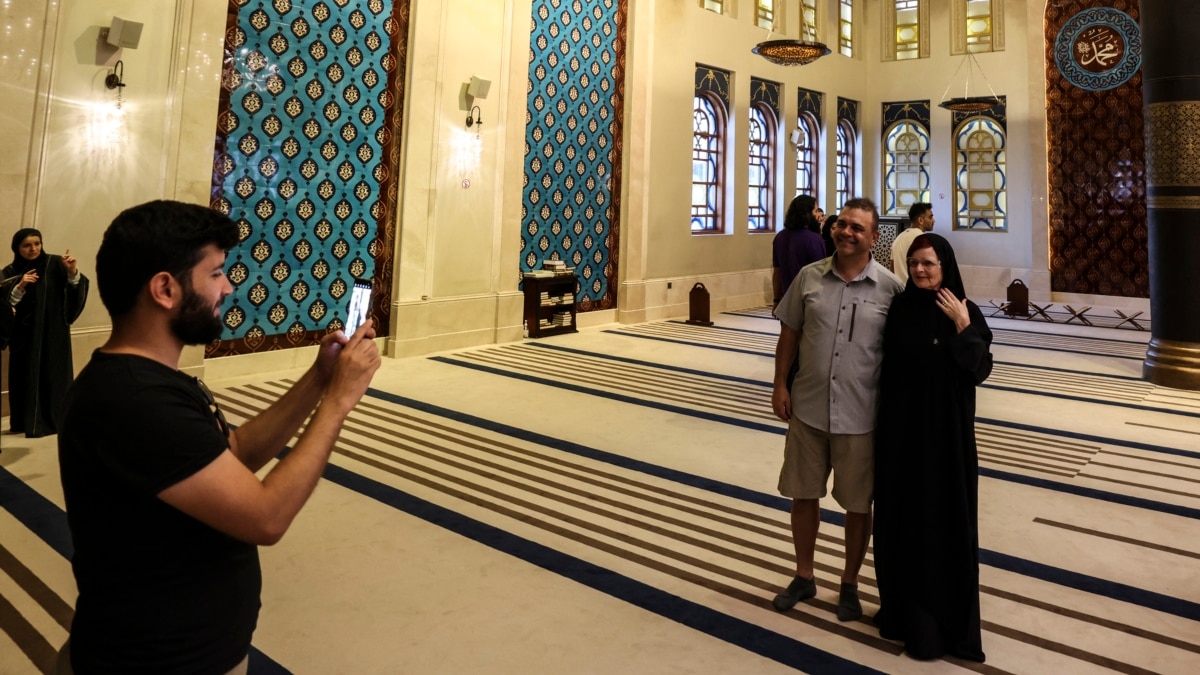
pixel 591 486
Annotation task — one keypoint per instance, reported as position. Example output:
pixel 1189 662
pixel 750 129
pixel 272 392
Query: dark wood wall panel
pixel 1096 149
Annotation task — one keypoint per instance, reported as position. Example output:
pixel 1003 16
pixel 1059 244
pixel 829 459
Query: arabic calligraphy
pixel 1098 49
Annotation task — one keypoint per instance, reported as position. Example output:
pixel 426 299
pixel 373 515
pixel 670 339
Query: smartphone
pixel 360 306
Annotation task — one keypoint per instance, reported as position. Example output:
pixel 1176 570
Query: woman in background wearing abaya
pixel 936 350
pixel 46 293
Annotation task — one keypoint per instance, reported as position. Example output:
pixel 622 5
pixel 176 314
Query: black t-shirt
pixel 159 591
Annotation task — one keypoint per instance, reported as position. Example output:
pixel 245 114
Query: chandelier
pixel 967 103
pixel 790 52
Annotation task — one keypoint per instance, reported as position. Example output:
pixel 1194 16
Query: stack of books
pixel 558 267
pixel 562 319
pixel 547 300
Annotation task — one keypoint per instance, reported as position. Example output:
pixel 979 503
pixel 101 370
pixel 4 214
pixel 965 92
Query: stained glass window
pixel 846 27
pixel 761 202
pixel 845 162
pixel 807 155
pixel 979 26
pixel 708 163
pixel 979 175
pixel 765 13
pixel 905 167
pixel 808 20
pixel 907 33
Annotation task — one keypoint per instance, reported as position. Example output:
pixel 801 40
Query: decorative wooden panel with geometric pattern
pixel 1096 149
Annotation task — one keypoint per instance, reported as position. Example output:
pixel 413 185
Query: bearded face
pixel 197 322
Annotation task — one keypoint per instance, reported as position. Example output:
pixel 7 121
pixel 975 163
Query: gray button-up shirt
pixel 840 328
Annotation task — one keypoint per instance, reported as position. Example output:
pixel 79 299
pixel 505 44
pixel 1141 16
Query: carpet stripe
pixel 43 595
pixel 1116 537
pixel 31 642
pixel 43 517
pixel 698 409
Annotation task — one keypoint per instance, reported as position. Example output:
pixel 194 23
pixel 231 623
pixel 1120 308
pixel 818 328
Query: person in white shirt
pixel 920 218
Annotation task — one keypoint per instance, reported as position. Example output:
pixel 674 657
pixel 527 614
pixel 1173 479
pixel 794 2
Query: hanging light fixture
pixel 790 52
pixel 966 102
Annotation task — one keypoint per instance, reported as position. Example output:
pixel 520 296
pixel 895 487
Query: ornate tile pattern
pixel 306 148
pixel 573 143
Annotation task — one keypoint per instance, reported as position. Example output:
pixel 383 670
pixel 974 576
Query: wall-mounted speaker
pixel 124 33
pixel 478 88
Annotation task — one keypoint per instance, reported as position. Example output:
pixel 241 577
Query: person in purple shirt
pixel 796 245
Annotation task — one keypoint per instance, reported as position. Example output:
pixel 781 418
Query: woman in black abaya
pixel 44 294
pixel 936 350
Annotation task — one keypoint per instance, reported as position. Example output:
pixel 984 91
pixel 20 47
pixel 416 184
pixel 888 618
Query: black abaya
pixel 926 476
pixel 40 368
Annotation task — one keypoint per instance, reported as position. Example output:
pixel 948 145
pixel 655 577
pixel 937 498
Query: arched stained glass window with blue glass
pixel 905 167
pixel 979 175
pixel 708 163
pixel 763 125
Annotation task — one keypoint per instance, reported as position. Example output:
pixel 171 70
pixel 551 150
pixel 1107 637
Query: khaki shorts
pixel 811 454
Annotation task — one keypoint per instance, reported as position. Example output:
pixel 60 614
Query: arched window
pixel 905 167
pixel 807 155
pixel 845 162
pixel 763 134
pixel 708 163
pixel 980 200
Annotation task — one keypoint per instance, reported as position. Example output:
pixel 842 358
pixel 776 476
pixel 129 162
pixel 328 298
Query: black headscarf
pixel 951 278
pixel 919 305
pixel 21 265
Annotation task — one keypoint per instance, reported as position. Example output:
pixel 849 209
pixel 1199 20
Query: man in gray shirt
pixel 833 315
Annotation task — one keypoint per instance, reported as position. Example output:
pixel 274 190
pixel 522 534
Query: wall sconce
pixel 475 118
pixel 116 78
pixel 475 89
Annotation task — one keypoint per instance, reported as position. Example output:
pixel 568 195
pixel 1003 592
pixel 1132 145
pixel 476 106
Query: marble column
pixel 1171 81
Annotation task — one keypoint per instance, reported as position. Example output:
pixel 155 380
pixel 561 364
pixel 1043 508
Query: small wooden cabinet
pixel 549 305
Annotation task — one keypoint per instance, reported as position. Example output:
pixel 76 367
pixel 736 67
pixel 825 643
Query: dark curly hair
pixel 158 236
pixel 800 214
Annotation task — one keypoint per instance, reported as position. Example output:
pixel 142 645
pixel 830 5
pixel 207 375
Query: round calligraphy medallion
pixel 1099 49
